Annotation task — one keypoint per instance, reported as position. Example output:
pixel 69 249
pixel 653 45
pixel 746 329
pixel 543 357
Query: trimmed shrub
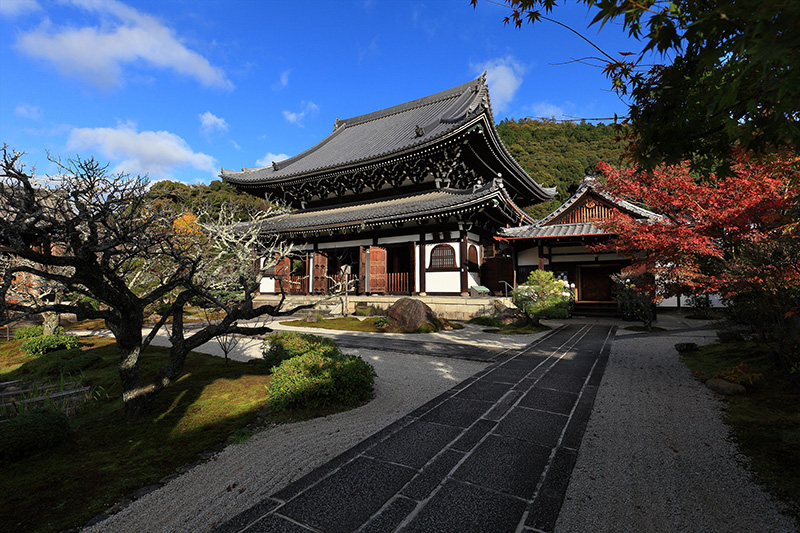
pixel 278 347
pixel 32 431
pixel 28 332
pixel 38 346
pixel 314 380
pixel 63 363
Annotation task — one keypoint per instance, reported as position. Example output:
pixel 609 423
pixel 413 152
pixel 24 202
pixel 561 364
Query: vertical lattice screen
pixel 442 256
pixel 587 212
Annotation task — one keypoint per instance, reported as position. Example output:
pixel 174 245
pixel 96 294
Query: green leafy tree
pixel 729 74
pixel 543 296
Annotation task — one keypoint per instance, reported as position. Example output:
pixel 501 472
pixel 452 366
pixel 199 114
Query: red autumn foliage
pixel 710 225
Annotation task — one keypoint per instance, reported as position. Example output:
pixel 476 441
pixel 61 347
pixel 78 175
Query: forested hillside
pixel 208 199
pixel 559 154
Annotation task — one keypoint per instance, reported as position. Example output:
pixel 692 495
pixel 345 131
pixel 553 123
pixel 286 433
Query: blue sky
pixel 178 89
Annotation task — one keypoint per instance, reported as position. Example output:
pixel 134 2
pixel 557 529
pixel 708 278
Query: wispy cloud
pixel 124 36
pixel 210 124
pixel 371 50
pixel 28 111
pixel 283 81
pixel 307 109
pixel 12 8
pixel 546 110
pixel 157 153
pixel 504 76
pixel 269 158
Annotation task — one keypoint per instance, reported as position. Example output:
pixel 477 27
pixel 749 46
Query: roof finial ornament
pixel 275 166
pixel 336 124
pixel 420 131
pixel 482 79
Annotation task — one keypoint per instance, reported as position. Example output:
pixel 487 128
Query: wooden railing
pixel 398 282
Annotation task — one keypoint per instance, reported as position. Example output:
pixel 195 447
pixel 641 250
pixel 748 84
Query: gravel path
pixel 273 458
pixel 656 455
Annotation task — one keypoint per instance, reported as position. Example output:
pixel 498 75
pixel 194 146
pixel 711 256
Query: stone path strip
pixel 494 453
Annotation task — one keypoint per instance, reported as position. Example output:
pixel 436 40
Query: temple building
pixel 406 200
pixel 560 243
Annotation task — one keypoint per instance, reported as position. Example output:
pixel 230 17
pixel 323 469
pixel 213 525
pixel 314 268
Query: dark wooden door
pixel 283 269
pixel 320 273
pixel 596 284
pixel 377 270
pixel 495 271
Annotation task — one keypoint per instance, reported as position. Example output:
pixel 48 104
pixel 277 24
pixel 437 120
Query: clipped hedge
pixel 63 363
pixel 278 347
pixel 38 346
pixel 32 431
pixel 314 380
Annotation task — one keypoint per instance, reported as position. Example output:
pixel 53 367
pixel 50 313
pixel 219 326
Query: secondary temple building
pixel 424 198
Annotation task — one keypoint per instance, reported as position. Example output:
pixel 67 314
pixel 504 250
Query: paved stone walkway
pixel 495 453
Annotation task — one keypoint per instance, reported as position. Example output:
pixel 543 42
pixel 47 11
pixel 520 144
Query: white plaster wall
pixel 672 301
pixel 345 244
pixel 529 257
pixel 398 239
pixel 416 268
pixel 443 282
pixel 473 279
pixel 267 285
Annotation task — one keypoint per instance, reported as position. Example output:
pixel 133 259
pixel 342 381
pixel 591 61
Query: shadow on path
pixel 494 453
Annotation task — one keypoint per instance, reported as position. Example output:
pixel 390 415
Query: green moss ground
pixel 766 420
pixel 106 458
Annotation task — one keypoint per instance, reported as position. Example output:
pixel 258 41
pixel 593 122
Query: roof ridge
pixel 411 104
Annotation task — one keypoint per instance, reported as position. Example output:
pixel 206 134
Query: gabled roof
pixel 423 206
pixel 395 134
pixel 549 226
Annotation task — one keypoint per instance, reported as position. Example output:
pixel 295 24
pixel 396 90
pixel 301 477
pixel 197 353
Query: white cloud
pixel 296 117
pixel 12 8
pixel 210 123
pixel 157 153
pixel 28 111
pixel 547 110
pixel 269 158
pixel 99 53
pixel 504 76
pixel 283 82
pixel 370 51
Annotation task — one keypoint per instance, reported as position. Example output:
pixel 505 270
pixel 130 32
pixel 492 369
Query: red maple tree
pixel 710 226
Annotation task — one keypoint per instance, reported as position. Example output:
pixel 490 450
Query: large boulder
pixel 408 314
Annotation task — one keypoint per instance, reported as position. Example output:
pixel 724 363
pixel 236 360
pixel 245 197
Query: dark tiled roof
pixel 439 202
pixel 556 230
pixel 376 135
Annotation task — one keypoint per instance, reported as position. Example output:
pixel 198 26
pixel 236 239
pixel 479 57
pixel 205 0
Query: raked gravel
pixel 273 458
pixel 656 455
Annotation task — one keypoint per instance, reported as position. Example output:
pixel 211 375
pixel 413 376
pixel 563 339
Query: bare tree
pixel 98 234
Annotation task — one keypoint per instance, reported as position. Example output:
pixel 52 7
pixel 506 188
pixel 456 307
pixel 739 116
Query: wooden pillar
pixel 422 264
pixel 464 264
pixel 540 253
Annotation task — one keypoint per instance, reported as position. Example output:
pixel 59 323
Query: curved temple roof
pixel 388 133
pixel 432 204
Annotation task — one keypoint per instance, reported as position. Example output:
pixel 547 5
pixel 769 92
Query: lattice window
pixel 443 257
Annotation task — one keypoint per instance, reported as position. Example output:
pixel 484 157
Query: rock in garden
pixel 511 315
pixel 686 346
pixel 408 314
pixel 723 386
